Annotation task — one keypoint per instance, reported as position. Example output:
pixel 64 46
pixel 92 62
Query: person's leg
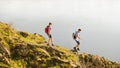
pixel 78 45
pixel 48 39
pixel 75 48
pixel 51 40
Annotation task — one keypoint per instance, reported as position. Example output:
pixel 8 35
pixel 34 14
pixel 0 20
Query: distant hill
pixel 20 49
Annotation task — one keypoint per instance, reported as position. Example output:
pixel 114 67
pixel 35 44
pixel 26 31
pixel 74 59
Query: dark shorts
pixel 49 35
pixel 78 42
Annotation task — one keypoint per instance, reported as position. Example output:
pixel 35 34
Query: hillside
pixel 29 50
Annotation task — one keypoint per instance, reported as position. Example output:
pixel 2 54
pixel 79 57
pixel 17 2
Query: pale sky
pixel 98 19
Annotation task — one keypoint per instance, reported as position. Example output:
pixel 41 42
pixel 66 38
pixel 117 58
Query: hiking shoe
pixel 52 44
pixel 78 49
pixel 75 48
pixel 48 44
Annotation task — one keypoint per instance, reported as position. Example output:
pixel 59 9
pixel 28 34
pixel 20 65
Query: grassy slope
pixel 26 50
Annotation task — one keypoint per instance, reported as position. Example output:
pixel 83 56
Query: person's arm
pixel 79 36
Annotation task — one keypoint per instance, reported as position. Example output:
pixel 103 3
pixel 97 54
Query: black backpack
pixel 73 35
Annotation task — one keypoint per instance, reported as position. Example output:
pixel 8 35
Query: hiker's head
pixel 79 30
pixel 50 23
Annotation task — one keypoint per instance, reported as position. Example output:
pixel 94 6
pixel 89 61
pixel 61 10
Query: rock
pixel 24 34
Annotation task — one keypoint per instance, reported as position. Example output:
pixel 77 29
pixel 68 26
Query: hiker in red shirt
pixel 48 32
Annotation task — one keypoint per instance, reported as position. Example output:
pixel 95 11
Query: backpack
pixel 46 29
pixel 73 35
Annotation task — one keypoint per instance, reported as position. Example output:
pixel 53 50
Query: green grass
pixel 18 64
pixel 3 65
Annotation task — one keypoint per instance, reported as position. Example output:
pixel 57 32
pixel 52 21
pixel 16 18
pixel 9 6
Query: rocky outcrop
pixel 95 61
